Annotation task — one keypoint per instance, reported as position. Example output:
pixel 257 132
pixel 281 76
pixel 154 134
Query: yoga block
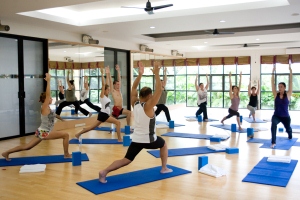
pixel 280 129
pixel 72 111
pixel 200 118
pixel 171 124
pixel 241 118
pixel 126 140
pixel 202 161
pixel 215 139
pixel 127 130
pixel 232 150
pixel 233 127
pixel 76 158
pixel 250 132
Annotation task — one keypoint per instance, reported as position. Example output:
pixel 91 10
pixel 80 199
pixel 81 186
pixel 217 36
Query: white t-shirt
pixel 83 94
pixel 105 104
pixel 202 96
pixel 144 128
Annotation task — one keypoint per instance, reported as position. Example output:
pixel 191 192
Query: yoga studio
pixel 150 99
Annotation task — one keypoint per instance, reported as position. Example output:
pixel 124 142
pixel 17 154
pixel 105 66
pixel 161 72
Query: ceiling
pixel 186 27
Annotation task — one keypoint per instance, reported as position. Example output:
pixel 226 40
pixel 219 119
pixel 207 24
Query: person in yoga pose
pixel 234 94
pixel 118 99
pixel 281 113
pixel 253 95
pixel 104 114
pixel 44 132
pixel 202 97
pixel 163 98
pixel 84 99
pixel 61 94
pixel 71 99
pixel 144 133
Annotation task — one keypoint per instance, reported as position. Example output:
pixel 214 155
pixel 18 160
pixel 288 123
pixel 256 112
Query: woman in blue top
pixel 282 100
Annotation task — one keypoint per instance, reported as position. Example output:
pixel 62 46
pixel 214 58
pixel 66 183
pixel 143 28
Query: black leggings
pixel 232 113
pixel 202 108
pixel 88 102
pixel 161 107
pixel 286 121
pixel 67 103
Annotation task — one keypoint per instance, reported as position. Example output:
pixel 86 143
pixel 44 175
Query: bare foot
pixel 77 135
pixel 102 177
pixel 67 155
pixel 166 170
pixel 206 120
pixel 222 121
pixel 90 114
pixel 273 146
pixel 120 140
pixel 5 155
pixel 240 128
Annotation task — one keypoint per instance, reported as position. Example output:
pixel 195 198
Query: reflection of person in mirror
pixel 84 97
pixel 202 97
pixel 118 98
pixel 61 94
pixel 253 94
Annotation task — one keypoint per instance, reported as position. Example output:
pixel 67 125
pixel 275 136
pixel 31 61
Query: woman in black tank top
pixel 253 95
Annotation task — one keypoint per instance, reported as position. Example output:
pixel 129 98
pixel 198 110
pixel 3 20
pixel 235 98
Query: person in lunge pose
pixel 253 95
pixel 282 100
pixel 44 132
pixel 234 94
pixel 144 133
pixel 202 97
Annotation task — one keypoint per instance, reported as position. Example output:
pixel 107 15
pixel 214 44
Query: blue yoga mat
pixel 250 120
pixel 106 128
pixel 271 173
pixel 295 126
pixel 228 127
pixel 73 117
pixel 167 123
pixel 296 144
pixel 258 140
pixel 39 160
pixel 281 144
pixel 187 135
pixel 185 151
pixel 95 141
pixel 194 117
pixel 130 179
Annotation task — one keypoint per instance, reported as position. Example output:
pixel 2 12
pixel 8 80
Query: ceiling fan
pixel 149 9
pixel 216 32
pixel 251 45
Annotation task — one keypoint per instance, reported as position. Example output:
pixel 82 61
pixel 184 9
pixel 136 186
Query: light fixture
pixel 145 48
pixel 65 51
pixel 295 14
pixel 205 42
pixel 222 21
pixel 89 40
pixel 4 27
pixel 257 38
pixel 152 26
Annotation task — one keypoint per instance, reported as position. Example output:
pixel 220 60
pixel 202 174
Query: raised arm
pixel 273 82
pixel 45 105
pixel 196 83
pixel 289 93
pixel 119 74
pixel 68 81
pixel 85 83
pixel 258 88
pixel 230 86
pixel 134 94
pixel 240 83
pixel 165 77
pixel 249 87
pixel 103 83
pixel 108 79
pixel 207 82
pixel 157 93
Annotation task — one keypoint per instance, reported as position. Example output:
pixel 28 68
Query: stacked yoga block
pixel 126 140
pixel 127 130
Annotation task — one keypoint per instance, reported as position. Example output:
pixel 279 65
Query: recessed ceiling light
pixel 257 38
pixel 222 21
pixel 205 42
pixel 295 14
pixel 168 44
pixel 65 51
pixel 152 26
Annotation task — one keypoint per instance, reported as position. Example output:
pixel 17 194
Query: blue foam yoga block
pixel 200 118
pixel 232 150
pixel 171 124
pixel 76 158
pixel 280 129
pixel 233 127
pixel 250 131
pixel 127 130
pixel 241 118
pixel 202 161
pixel 215 139
pixel 126 140
pixel 72 112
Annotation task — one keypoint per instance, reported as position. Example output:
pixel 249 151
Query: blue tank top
pixel 282 107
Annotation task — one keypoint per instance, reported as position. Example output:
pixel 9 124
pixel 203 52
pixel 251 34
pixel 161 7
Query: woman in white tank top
pixel 104 114
pixel 202 97
pixel 44 132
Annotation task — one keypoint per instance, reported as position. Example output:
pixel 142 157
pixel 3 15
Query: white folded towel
pixel 217 147
pixel 212 170
pixel 222 136
pixel 33 168
pixel 162 126
pixel 282 159
pixel 191 119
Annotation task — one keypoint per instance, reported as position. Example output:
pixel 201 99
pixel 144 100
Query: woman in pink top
pixel 235 101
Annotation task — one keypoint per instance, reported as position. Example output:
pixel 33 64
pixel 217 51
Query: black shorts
pixel 102 117
pixel 135 148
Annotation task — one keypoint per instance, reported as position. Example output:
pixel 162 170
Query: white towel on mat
pixel 212 170
pixel 282 159
pixel 162 126
pixel 217 147
pixel 33 168
pixel 222 136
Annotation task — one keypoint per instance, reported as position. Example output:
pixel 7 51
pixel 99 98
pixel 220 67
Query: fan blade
pixel 163 6
pixel 226 33
pixel 130 7
pixel 150 12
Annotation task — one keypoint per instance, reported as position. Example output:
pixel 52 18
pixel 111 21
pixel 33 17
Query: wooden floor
pixel 59 180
